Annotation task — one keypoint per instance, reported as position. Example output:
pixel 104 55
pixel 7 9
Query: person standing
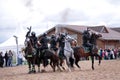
pixel 1 59
pixel 6 58
pixel 20 58
pixel 10 57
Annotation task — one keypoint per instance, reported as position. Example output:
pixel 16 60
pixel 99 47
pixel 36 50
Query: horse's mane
pixel 29 47
pixel 94 37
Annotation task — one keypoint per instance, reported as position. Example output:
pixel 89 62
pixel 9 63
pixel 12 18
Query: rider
pixel 53 43
pixel 61 42
pixel 44 43
pixel 86 40
pixel 33 39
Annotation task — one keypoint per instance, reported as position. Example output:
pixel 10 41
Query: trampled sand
pixel 108 70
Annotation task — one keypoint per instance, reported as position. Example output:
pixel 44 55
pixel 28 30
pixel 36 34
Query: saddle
pixel 31 54
pixel 86 49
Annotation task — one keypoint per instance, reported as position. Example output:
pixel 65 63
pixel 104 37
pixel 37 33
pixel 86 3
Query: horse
pixel 79 51
pixel 30 56
pixel 49 55
pixel 68 52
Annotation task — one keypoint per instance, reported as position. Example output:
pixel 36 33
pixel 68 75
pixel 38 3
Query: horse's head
pixel 69 39
pixel 27 42
pixel 96 35
pixel 74 43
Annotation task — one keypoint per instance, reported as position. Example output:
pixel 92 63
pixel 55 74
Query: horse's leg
pixel 68 64
pixel 38 67
pixel 57 63
pixel 76 62
pixel 33 65
pixel 33 68
pixel 29 66
pixel 38 64
pixel 38 60
pixel 61 62
pixel 54 66
pixel 51 63
pixel 72 59
pixel 100 58
pixel 45 63
pixel 92 58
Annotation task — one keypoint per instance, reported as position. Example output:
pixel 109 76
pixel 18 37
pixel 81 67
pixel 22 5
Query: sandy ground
pixel 108 70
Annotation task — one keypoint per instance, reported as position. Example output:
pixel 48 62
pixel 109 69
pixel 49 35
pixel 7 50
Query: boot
pixel 91 51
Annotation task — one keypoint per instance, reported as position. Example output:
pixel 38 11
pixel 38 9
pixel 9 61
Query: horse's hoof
pixel 34 71
pixel 92 68
pixel 39 71
pixel 43 70
pixel 99 64
pixel 63 68
pixel 29 72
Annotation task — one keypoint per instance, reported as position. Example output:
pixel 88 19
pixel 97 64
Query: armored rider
pixel 86 40
pixel 33 39
pixel 53 43
pixel 61 44
pixel 44 43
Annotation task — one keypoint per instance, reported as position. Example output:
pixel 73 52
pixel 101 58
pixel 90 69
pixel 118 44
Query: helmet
pixel 53 36
pixel 33 33
pixel 85 31
pixel 44 34
pixel 62 35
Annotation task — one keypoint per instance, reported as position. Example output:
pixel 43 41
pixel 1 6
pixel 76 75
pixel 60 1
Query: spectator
pixel 108 50
pixel 1 59
pixel 20 58
pixel 6 58
pixel 106 54
pixel 119 53
pixel 10 57
pixel 112 54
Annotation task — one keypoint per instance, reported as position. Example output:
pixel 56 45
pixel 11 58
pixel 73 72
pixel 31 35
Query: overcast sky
pixel 43 14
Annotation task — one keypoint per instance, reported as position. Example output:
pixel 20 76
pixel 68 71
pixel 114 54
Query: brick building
pixel 110 38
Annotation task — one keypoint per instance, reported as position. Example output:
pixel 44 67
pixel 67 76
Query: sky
pixel 44 14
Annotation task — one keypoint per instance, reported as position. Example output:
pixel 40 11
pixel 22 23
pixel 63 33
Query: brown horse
pixel 30 57
pixel 79 51
pixel 49 55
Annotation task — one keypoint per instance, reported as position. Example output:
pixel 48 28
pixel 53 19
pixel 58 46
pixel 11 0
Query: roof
pixel 116 29
pixel 78 28
pixel 101 29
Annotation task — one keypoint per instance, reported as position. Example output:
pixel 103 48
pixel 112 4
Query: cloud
pixel 67 15
pixel 40 14
pixel 116 2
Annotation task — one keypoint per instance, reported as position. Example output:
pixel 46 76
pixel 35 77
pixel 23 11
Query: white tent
pixel 10 44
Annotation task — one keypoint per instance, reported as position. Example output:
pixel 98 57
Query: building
pixel 110 38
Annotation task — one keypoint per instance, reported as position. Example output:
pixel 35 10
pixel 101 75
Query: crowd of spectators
pixel 108 54
pixel 6 59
